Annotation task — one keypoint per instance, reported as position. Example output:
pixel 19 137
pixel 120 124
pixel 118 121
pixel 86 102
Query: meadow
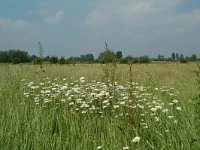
pixel 77 107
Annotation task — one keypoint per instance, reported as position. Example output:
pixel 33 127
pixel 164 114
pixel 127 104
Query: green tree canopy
pixel 108 56
pixel 119 54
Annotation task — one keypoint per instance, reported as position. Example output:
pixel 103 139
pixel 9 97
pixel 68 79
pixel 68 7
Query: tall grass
pixel 25 123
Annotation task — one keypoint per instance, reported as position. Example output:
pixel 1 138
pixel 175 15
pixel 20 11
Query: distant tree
pixel 53 60
pixel 144 59
pixel 71 58
pixel 37 61
pixel 87 58
pixel 130 58
pixel 173 56
pixel 9 55
pixel 161 57
pixel 32 58
pixel 124 61
pixel 177 57
pixel 181 57
pixel 46 58
pixel 119 54
pixel 136 60
pixel 16 61
pixel 108 56
pixel 193 57
pixel 62 60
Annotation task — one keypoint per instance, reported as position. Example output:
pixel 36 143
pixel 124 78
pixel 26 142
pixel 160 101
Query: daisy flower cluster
pixel 157 105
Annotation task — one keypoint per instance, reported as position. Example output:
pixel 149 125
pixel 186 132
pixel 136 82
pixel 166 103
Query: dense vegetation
pixel 20 56
pixel 93 106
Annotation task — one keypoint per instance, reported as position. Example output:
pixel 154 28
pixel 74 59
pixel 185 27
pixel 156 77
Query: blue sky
pixel 74 27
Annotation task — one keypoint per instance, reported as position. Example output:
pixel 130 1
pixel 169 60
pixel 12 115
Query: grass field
pixel 73 107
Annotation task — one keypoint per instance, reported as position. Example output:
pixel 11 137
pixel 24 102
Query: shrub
pixel 16 61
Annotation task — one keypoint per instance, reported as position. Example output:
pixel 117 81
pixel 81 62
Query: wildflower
pixel 136 139
pixel 30 84
pixel 166 130
pixel 122 103
pixel 22 80
pixel 105 101
pixel 158 107
pixel 34 87
pixel 105 107
pixel 37 100
pixel 84 111
pixel 47 91
pixel 82 79
pixel 165 110
pixel 153 109
pixel 84 105
pixel 71 103
pixel 41 83
pixel 46 100
pixel 170 117
pixel 99 147
pixel 142 114
pixel 140 106
pixel 125 148
pixel 178 108
pixel 63 87
pixel 107 93
pixel 175 101
pixel 156 119
pixel 63 100
pixel 116 106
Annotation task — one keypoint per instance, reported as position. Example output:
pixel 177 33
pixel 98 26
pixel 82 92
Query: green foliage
pixel 183 60
pixel 10 55
pixel 62 60
pixel 108 56
pixel 16 61
pixel 124 61
pixel 119 54
pixel 142 60
pixel 53 60
pixel 28 124
pixel 173 56
pixel 87 58
pixel 197 102
pixel 37 61
pixel 161 58
pixel 193 57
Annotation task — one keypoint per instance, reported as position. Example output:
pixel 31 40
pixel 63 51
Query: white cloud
pixel 156 15
pixel 144 24
pixel 7 23
pixel 56 18
pixel 128 10
pixel 95 18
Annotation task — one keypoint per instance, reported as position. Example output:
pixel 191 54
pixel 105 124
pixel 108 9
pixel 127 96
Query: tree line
pixel 106 56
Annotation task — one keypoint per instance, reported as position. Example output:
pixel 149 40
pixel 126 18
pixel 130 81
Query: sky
pixel 75 27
